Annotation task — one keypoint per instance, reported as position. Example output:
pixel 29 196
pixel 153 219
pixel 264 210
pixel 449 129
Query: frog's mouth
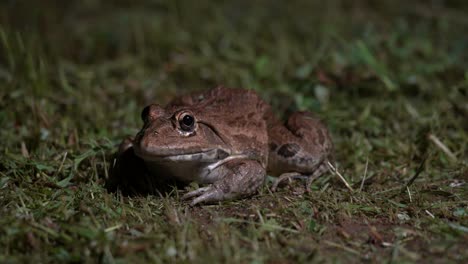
pixel 195 155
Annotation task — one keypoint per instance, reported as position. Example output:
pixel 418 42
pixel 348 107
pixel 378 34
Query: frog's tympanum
pixel 227 140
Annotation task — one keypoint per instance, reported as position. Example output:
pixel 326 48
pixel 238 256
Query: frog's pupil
pixel 188 120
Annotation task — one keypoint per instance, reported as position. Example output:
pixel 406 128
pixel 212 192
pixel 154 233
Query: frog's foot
pixel 237 179
pixel 296 175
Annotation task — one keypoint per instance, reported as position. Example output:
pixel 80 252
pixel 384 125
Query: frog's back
pixel 232 101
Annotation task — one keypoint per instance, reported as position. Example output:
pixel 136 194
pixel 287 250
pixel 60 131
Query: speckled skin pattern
pixel 227 139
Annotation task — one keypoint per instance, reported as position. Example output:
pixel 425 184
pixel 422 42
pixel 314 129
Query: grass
pixel 390 79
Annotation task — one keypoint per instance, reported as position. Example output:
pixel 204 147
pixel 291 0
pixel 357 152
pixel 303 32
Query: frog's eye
pixel 186 122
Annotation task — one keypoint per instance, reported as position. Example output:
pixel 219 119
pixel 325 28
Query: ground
pixel 389 78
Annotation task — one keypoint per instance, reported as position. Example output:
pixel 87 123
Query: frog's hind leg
pixel 299 149
pixel 309 178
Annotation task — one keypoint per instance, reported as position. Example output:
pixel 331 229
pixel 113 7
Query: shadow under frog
pixel 129 175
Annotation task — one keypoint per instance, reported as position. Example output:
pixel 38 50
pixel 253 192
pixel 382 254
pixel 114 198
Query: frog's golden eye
pixel 186 122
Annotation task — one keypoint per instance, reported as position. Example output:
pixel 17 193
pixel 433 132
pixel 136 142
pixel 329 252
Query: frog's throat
pixel 212 155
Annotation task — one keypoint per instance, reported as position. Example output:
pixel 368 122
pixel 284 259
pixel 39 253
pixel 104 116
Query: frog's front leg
pixel 236 179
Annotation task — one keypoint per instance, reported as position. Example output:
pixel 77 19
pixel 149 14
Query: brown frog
pixel 228 140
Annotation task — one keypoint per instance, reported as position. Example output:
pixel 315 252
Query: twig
pixel 335 171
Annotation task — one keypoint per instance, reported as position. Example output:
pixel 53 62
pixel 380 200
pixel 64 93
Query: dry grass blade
pixel 365 175
pixel 442 146
pixel 336 172
pixel 347 249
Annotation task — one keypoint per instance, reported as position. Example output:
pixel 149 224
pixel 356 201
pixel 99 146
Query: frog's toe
pixel 197 192
pixel 208 194
pixel 286 176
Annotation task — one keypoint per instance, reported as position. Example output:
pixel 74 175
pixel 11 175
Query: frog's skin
pixel 228 140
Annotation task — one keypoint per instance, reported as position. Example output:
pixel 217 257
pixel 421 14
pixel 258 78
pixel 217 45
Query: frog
pixel 227 140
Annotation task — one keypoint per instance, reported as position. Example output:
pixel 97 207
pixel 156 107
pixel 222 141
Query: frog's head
pixel 179 133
